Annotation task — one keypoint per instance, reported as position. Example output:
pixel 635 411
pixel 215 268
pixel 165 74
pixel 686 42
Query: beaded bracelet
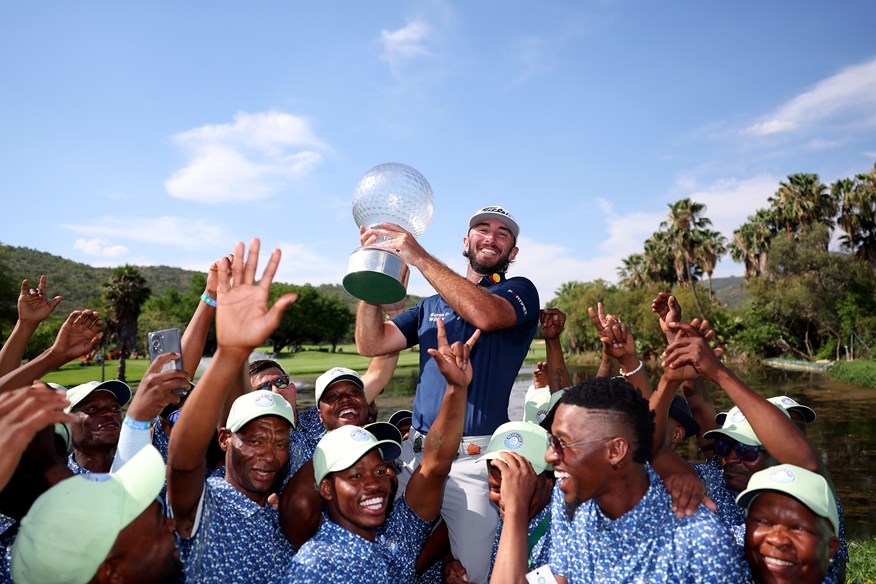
pixel 633 372
pixel 208 300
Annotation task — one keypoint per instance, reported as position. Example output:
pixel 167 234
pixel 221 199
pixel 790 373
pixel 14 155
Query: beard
pixel 501 264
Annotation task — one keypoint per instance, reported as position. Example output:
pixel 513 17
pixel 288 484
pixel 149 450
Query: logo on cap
pixel 782 475
pixel 786 401
pixel 513 441
pixel 264 401
pixel 359 435
pixel 498 210
pixel 540 415
pixel 737 417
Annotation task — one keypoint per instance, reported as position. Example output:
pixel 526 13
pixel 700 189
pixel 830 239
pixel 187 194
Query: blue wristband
pixel 137 424
pixel 208 300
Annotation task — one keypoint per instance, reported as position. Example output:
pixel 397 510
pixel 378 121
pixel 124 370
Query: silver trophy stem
pixel 377 275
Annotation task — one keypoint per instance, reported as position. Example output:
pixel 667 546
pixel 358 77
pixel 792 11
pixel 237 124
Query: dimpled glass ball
pixel 394 193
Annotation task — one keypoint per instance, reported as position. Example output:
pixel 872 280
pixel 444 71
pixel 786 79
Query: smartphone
pixel 167 341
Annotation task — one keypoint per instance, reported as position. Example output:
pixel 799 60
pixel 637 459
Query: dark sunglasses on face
pixel 281 382
pixel 559 447
pixel 743 452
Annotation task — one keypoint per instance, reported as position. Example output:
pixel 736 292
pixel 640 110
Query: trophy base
pixel 377 275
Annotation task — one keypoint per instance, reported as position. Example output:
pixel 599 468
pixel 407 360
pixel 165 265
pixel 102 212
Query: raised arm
pixel 553 321
pixel 78 336
pixel 425 490
pixel 195 336
pixel 243 322
pixel 474 304
pixel 618 343
pixel 34 307
pixel 776 431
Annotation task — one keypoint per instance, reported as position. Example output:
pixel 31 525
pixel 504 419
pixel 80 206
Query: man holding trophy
pixel 506 312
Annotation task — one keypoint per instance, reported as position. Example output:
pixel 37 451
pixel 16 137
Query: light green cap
pixel 539 403
pixel 524 438
pixel 808 487
pixel 737 427
pixel 342 447
pixel 257 404
pixel 334 375
pixel 118 388
pixel 784 402
pixel 71 528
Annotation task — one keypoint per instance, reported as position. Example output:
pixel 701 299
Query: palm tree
pixel 712 248
pixel 857 213
pixel 125 291
pixel 801 202
pixel 657 258
pixel 633 273
pixel 685 226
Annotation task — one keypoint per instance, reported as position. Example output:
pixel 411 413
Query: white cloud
pixel 164 232
pixel 251 158
pixel 99 247
pixel 406 43
pixel 299 264
pixel 851 91
pixel 870 154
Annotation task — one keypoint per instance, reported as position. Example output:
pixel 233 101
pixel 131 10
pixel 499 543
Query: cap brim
pixel 537 467
pixel 118 388
pixel 398 417
pixel 386 448
pixel 738 436
pixel 142 477
pixel 691 428
pixel 385 431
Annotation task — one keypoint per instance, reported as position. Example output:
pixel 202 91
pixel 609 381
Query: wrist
pixel 134 423
pixel 629 362
pixel 209 299
pixel 629 372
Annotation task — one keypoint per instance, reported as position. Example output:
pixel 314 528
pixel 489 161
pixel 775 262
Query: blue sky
pixel 164 132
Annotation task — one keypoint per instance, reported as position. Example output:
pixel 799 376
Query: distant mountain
pixel 730 291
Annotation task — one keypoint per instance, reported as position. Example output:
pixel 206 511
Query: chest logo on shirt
pixel 513 441
pixel 434 316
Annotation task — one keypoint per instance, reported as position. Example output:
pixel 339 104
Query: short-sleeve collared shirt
pixel 646 544
pixel 74 466
pixel 311 429
pixel 8 531
pixel 337 555
pixel 496 358
pixel 235 539
pixel 538 554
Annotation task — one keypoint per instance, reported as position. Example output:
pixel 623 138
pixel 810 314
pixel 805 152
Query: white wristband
pixel 633 372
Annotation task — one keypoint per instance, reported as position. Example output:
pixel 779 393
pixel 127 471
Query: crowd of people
pixel 224 480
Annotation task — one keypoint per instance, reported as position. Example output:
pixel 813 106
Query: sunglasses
pixel 744 452
pixel 281 382
pixel 174 416
pixel 559 447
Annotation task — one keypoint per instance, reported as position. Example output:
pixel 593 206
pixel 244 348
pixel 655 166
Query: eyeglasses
pixel 281 382
pixel 744 452
pixel 559 446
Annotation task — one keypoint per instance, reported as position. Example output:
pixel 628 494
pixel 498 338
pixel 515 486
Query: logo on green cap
pixel 513 441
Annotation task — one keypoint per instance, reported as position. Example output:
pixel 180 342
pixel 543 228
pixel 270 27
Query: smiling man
pixel 791 525
pixel 506 311
pixel 97 409
pixel 614 521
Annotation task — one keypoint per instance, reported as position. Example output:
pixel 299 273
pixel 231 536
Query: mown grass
pixel 860 372
pixel 311 361
pixel 862 567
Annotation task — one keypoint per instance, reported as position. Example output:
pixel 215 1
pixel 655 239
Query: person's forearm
pixel 195 337
pixel 605 366
pixel 703 411
pixel 558 374
pixel 370 329
pixel 442 441
pixel 639 379
pixel 378 375
pixel 659 402
pixel 13 348
pixel 776 431
pixel 513 553
pixel 14 444
pixel 475 305
pixel 47 361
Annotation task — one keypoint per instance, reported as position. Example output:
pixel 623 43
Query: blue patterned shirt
pixel 310 426
pixel 235 540
pixel 538 555
pixel 646 544
pixel 8 531
pixel 337 555
pixel 74 466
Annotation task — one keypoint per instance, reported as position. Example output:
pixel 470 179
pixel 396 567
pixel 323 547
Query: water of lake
pixel 844 431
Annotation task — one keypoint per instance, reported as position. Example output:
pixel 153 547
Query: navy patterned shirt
pixel 337 555
pixel 74 466
pixel 646 544
pixel 235 540
pixel 8 531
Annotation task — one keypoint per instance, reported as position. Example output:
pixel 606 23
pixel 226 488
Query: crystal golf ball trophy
pixel 387 193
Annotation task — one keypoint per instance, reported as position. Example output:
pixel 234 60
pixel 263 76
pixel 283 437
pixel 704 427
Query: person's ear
pixel 326 489
pixel 224 437
pixel 513 254
pixel 617 450
pixel 833 545
pixel 678 435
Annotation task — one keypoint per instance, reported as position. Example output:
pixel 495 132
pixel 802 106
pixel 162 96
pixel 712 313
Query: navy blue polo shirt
pixel 495 359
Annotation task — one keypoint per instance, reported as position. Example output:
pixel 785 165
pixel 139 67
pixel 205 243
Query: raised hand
pixel 453 360
pixel 33 303
pixel 691 348
pixel 668 310
pixel 540 375
pixel 394 237
pixel 552 322
pixel 79 335
pixel 156 389
pixel 617 340
pixel 518 480
pixel 213 275
pixel 243 318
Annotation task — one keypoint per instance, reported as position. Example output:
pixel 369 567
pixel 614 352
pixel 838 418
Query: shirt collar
pixel 242 505
pixel 492 279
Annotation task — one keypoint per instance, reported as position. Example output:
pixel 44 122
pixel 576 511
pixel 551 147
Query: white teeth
pixel 558 474
pixel 347 411
pixel 373 504
pixel 776 562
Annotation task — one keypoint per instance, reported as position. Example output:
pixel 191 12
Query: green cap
pixel 333 375
pixel 538 403
pixel 784 402
pixel 257 404
pixel 342 447
pixel 808 487
pixel 737 427
pixel 71 528
pixel 118 388
pixel 525 438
